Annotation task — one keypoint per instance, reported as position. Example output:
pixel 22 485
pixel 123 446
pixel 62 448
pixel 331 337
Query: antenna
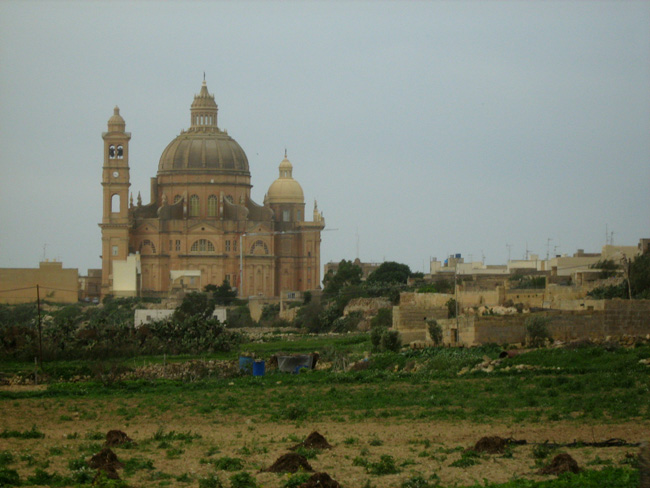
pixel 44 251
pixel 482 257
pixel 527 251
pixel 357 242
pixel 509 246
pixel 548 246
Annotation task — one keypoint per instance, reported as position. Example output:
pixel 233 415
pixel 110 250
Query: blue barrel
pixel 259 367
pixel 245 364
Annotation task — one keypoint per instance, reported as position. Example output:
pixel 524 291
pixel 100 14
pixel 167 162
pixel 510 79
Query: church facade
pixel 201 226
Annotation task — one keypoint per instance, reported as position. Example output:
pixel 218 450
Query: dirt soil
pixel 419 447
pixel 290 463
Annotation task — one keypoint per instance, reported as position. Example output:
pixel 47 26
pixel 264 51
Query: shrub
pixel 243 480
pixel 239 317
pixel 295 480
pixel 270 313
pixel 384 318
pixel 210 481
pixel 537 330
pixel 375 337
pixel 542 451
pixel 418 481
pixel 385 465
pixel 228 464
pixel 435 331
pixel 391 341
pixel 9 477
pixel 451 308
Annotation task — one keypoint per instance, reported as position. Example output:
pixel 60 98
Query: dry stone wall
pixel 615 319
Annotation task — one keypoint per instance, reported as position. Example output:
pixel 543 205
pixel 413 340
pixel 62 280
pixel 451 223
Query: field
pixel 408 419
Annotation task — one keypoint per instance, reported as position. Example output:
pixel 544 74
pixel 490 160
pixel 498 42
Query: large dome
pixel 214 150
pixel 204 146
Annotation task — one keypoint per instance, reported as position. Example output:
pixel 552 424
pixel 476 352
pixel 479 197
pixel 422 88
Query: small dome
pixel 285 189
pixel 116 122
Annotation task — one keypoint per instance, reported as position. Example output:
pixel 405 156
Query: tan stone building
pixel 201 226
pixel 56 283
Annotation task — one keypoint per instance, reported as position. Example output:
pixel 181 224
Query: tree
pixel 391 341
pixel 537 330
pixel 222 294
pixel 607 268
pixel 390 272
pixel 451 308
pixel 194 304
pixel 639 276
pixel 384 318
pixel 435 331
pixel 347 274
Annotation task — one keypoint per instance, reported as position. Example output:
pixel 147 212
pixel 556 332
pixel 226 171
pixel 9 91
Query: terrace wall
pixel 613 319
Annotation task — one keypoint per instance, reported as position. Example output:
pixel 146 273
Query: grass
pixel 589 385
pixel 227 464
pixel 33 433
pixel 607 477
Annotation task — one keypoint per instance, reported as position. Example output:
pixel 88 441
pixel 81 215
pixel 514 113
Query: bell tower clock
pixel 115 183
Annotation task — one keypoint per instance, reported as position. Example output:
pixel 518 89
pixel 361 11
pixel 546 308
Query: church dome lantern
pixel 204 147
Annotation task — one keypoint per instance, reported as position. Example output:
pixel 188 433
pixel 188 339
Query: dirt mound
pixel 106 461
pixel 320 480
pixel 116 438
pixel 313 441
pixel 492 445
pixel 289 463
pixel 562 463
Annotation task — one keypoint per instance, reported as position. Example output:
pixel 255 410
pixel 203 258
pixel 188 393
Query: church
pixel 201 226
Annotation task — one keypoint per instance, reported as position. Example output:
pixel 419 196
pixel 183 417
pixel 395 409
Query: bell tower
pixel 115 183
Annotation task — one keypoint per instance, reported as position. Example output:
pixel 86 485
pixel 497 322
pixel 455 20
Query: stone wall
pixel 613 319
pixel 367 306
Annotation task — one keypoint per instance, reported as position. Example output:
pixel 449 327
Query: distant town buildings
pixel 55 283
pixel 576 267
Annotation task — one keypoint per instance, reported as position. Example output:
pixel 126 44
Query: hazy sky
pixel 423 128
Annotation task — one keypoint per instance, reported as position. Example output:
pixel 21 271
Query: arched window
pixel 230 198
pixel 111 152
pixel 115 203
pixel 202 245
pixel 212 206
pixel 194 206
pixel 120 152
pixel 177 198
pixel 147 247
pixel 259 247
